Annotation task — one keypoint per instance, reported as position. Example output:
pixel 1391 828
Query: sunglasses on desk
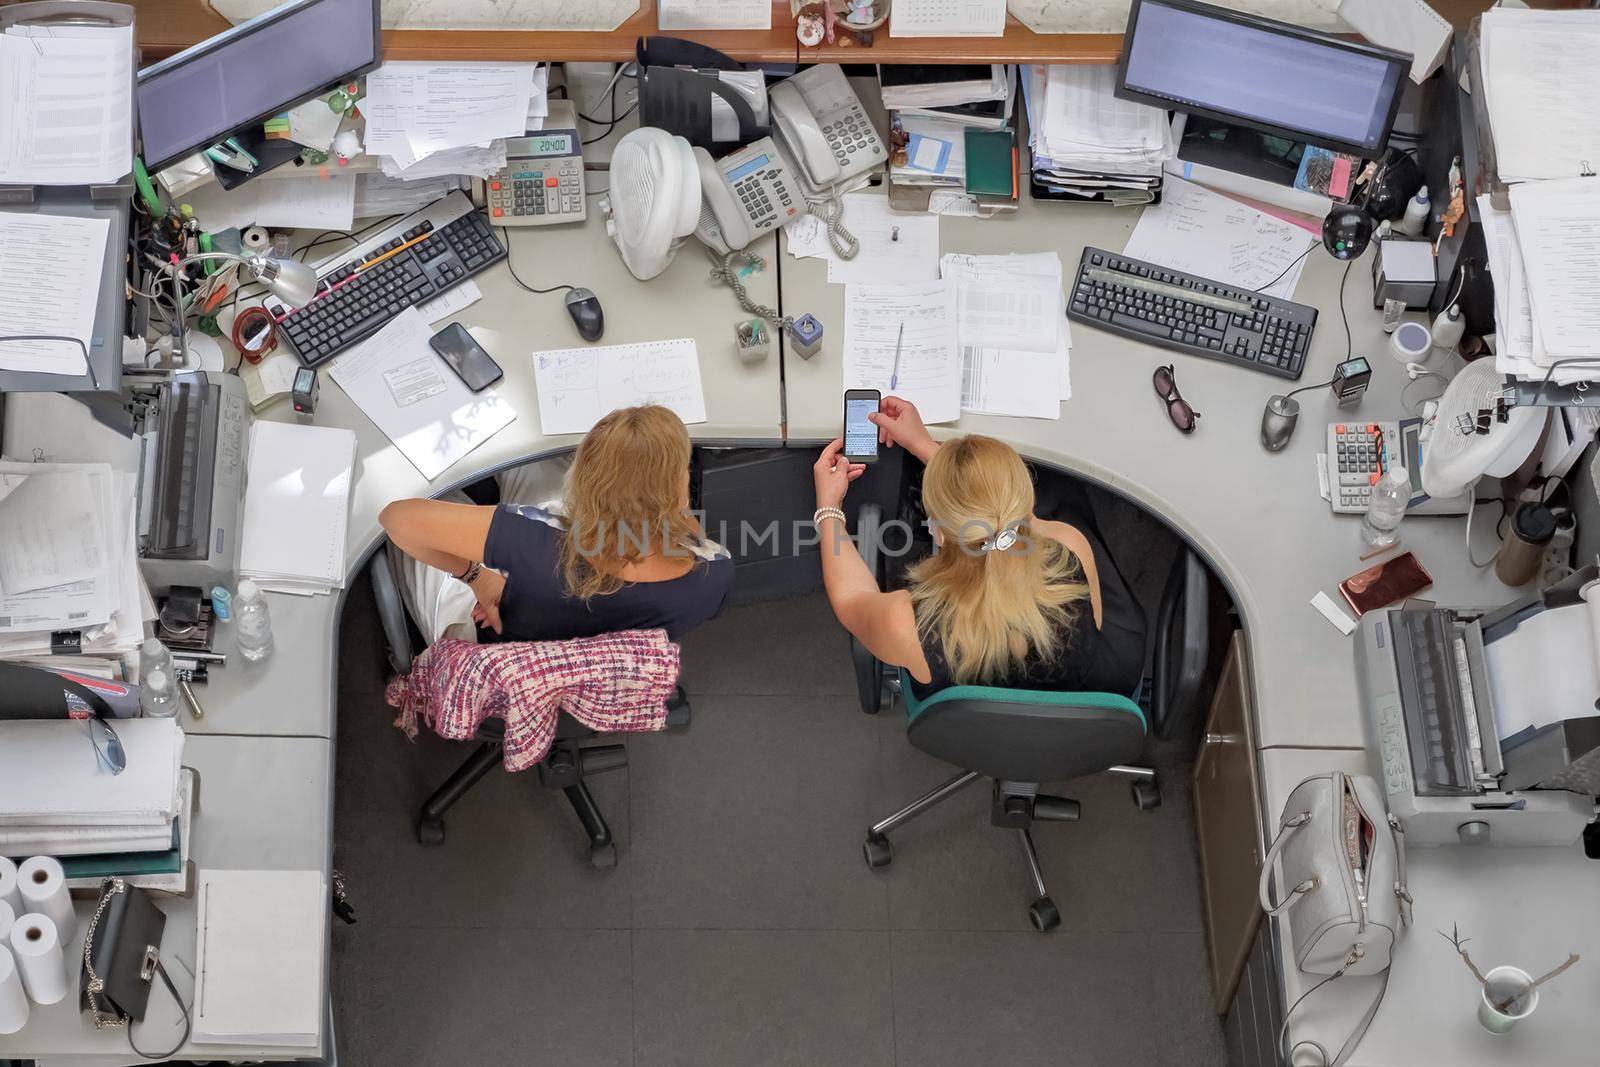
pixel 1182 415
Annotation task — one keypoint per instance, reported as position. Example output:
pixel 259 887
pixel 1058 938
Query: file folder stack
pixel 1088 146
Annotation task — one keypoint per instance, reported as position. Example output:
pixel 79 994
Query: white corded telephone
pixel 824 128
pixel 745 194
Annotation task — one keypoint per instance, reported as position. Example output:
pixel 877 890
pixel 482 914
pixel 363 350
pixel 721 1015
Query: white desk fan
pixel 653 202
pixel 1452 461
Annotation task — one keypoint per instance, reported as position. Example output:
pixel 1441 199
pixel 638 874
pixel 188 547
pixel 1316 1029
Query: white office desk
pixel 265 803
pixel 1254 516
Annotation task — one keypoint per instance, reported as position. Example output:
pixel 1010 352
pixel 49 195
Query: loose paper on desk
pixel 406 388
pixel 85 602
pixel 305 201
pixel 579 386
pixel 50 533
pixel 947 18
pixel 714 15
pixel 895 247
pixel 415 109
pixel 1014 334
pixel 1538 77
pixel 66 104
pixel 1558 231
pixel 929 356
pixel 1201 232
pixel 49 284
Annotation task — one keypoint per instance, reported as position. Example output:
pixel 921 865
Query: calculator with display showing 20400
pixel 542 181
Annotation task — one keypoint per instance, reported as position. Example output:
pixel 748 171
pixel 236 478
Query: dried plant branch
pixel 1460 945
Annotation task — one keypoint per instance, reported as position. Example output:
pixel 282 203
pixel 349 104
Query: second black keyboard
pixel 1191 314
pixel 355 300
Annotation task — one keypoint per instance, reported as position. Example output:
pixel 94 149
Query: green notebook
pixel 991 163
pixel 126 864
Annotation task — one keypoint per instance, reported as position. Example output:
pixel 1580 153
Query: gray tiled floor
pixel 740 926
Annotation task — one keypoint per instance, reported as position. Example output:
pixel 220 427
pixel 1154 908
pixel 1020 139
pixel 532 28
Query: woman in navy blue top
pixel 621 553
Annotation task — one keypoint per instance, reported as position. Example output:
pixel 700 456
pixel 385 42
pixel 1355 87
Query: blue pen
pixel 894 375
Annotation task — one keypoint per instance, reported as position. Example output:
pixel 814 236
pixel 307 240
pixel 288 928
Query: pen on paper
pixel 894 375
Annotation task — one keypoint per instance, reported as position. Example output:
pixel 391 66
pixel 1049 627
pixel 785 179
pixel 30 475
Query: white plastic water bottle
pixel 1416 216
pixel 158 697
pixel 154 656
pixel 1387 507
pixel 252 623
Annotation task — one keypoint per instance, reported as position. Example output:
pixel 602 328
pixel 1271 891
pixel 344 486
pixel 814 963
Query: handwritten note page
pixel 929 373
pixel 947 18
pixel 1201 232
pixel 580 386
pixel 404 386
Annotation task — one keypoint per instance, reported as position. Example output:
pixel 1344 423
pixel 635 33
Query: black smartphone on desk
pixel 466 357
pixel 860 432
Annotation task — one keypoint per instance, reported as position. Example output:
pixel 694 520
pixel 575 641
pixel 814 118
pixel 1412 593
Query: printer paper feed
pixel 580 386
pixel 1548 668
pixel 296 504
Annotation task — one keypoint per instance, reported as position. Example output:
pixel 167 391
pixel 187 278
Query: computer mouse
pixel 1277 422
pixel 584 307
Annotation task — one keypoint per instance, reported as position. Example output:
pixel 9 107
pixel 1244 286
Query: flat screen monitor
pixel 1300 84
pixel 251 72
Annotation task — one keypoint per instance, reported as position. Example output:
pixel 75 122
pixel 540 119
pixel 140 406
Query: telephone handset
pixel 745 194
pixel 821 122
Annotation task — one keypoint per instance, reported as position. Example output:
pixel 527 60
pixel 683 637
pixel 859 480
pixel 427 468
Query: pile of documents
pixel 66 104
pixel 933 107
pixel 427 120
pixel 1544 255
pixel 57 800
pixel 1087 144
pixel 69 564
pixel 296 507
pixel 1538 76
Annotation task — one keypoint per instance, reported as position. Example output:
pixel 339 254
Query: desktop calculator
pixel 1358 454
pixel 542 181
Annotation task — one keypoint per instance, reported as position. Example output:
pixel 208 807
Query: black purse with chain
pixel 121 958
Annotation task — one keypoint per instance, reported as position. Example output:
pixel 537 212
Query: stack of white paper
pixel 259 958
pixel 69 561
pixel 1089 144
pixel 430 119
pixel 403 385
pixel 1012 327
pixel 49 286
pixel 66 104
pixel 1557 230
pixel 296 506
pixel 1538 75
pixel 51 781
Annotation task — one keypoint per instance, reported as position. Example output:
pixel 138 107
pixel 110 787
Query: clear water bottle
pixel 1388 506
pixel 154 656
pixel 158 699
pixel 251 621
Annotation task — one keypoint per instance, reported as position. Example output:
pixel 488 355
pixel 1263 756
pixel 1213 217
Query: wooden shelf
pixel 168 26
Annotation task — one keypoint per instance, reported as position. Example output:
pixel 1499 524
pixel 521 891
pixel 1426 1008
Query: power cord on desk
pixel 558 287
pixel 1286 270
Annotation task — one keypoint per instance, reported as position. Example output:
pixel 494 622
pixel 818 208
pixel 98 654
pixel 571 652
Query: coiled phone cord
pixel 830 213
pixel 723 270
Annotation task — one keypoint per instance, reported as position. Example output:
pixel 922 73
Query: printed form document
pixel 66 104
pixel 921 321
pixel 49 285
pixel 1013 333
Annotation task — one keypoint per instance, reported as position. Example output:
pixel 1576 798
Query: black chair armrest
pixel 1182 645
pixel 869 672
pixel 391 610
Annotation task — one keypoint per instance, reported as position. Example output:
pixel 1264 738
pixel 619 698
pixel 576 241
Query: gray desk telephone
pixel 823 127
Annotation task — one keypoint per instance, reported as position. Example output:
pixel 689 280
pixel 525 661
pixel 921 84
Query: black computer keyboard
pixel 354 303
pixel 1194 315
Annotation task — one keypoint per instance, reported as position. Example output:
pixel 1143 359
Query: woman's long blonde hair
pixel 624 498
pixel 990 610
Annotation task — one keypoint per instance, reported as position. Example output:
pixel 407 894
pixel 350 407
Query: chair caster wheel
pixel 877 851
pixel 430 831
pixel 1146 794
pixel 603 857
pixel 1043 914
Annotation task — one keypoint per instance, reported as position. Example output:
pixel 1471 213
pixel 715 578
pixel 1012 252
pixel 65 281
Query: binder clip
pixel 805 336
pixel 753 340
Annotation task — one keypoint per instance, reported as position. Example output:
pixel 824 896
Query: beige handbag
pixel 1342 857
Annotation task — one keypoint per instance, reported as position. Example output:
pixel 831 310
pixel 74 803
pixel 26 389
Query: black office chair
pixel 1022 738
pixel 565 767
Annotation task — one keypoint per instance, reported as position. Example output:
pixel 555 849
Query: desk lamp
pixel 288 279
